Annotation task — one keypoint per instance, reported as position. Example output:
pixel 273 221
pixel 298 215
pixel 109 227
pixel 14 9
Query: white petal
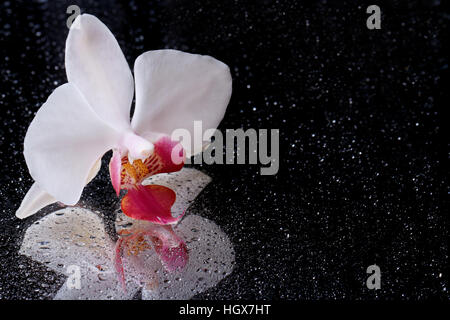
pixel 94 170
pixel 63 143
pixel 34 200
pixel 174 89
pixel 96 65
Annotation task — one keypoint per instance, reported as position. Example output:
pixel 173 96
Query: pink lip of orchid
pixel 90 115
pixel 171 250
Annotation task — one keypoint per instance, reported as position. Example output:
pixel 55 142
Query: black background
pixel 360 112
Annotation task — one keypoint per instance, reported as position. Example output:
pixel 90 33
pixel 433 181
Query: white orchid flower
pixel 90 115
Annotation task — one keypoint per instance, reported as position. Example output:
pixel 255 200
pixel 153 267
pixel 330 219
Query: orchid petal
pixel 115 166
pixel 174 89
pixel 136 146
pixel 64 142
pixel 151 203
pixel 96 65
pixel 34 200
pixel 94 170
pixel 170 154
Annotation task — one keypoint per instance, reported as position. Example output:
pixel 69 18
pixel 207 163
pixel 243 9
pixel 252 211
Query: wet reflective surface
pixel 361 178
pixel 75 239
pixel 71 238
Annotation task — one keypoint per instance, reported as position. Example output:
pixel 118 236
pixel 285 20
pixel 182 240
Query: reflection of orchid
pixel 170 248
pixel 154 255
pixel 89 115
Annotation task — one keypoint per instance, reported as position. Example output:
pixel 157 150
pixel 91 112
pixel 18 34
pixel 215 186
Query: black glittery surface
pixel 362 151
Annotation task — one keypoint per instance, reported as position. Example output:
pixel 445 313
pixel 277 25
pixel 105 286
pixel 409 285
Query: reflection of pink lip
pixel 170 248
pixel 175 258
pixel 118 263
